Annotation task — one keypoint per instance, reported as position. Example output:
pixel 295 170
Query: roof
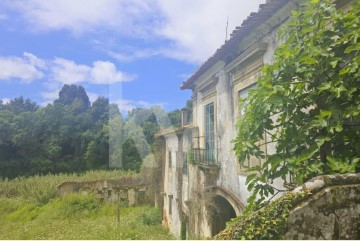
pixel 254 20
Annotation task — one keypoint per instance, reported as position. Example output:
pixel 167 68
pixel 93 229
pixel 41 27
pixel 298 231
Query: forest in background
pixel 73 135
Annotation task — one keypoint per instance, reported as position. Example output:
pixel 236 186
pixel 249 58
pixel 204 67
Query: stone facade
pixel 202 175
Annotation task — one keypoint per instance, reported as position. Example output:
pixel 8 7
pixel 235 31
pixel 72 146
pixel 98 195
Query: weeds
pixel 30 209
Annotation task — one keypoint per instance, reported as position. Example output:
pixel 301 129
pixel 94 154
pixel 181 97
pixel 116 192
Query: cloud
pixel 192 30
pixel 197 29
pixel 101 72
pixel 49 96
pixel 82 16
pixel 128 105
pixel 187 30
pixel 104 72
pixel 68 72
pixel 132 54
pixel 92 96
pixel 5 100
pixel 27 68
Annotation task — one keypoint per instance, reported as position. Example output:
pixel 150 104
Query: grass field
pixel 30 209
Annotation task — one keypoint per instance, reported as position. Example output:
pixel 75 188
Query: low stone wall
pixel 128 190
pixel 332 212
pixel 326 207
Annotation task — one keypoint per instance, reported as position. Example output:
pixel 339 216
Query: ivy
pixel 268 222
pixel 307 101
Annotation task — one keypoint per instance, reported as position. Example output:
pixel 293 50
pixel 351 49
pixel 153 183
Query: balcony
pixel 207 157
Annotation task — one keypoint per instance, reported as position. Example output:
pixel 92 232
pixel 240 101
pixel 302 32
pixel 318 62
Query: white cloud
pixel 128 105
pixel 27 68
pixel 102 72
pixel 49 96
pixel 68 72
pixel 197 28
pixel 92 96
pixel 192 29
pixel 5 100
pixel 83 15
pixel 131 54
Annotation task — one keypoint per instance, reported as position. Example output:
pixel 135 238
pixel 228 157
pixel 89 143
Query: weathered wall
pixel 171 212
pixel 326 207
pixel 129 190
pixel 332 212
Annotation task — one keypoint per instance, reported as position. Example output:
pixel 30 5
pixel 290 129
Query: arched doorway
pixel 222 212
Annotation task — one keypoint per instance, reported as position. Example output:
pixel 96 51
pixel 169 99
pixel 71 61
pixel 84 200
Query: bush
pixel 75 205
pixel 151 217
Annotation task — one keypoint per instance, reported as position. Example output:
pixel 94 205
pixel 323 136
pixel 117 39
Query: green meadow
pixel 31 209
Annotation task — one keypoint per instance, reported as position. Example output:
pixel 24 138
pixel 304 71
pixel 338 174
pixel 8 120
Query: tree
pixel 19 105
pixel 307 102
pixel 100 109
pixel 75 97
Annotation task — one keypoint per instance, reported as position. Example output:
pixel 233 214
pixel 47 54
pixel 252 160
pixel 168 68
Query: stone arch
pixel 235 202
pixel 226 206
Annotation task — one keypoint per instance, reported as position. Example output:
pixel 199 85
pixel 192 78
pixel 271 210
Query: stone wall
pixel 332 212
pixel 129 190
pixel 326 207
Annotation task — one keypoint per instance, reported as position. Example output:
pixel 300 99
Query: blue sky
pixel 135 52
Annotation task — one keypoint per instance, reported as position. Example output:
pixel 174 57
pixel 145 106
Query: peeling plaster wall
pixel 171 186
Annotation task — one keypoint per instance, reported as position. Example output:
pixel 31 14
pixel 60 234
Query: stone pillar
pixel 132 197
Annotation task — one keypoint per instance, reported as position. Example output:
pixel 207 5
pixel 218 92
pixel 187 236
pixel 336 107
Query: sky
pixel 134 52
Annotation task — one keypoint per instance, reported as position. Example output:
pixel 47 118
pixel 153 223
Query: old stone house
pixel 203 184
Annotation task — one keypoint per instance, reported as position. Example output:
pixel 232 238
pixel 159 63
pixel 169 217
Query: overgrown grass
pixel 30 209
pixel 43 188
pixel 77 217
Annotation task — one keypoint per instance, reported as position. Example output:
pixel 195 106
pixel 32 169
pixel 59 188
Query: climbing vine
pixel 307 103
pixel 268 222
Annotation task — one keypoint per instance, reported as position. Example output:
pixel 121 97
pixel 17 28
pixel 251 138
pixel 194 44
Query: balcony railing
pixel 204 156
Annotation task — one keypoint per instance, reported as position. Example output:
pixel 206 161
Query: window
pixel 184 163
pixel 169 157
pixel 209 133
pixel 170 204
pixel 243 94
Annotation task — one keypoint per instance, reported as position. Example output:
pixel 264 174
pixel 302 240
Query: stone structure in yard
pixel 129 190
pixel 203 184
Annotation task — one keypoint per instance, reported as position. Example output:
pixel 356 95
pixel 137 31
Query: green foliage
pixel 41 189
pixel 268 222
pixel 69 135
pixel 131 159
pixel 76 217
pixel 307 102
pixel 151 217
pixel 76 205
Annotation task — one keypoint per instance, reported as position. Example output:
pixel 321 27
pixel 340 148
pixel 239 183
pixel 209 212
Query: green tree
pixel 307 102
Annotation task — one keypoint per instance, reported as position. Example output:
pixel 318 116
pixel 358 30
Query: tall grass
pixel 43 188
pixel 78 217
pixel 31 209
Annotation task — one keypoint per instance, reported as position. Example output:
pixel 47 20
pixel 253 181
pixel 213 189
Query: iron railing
pixel 204 156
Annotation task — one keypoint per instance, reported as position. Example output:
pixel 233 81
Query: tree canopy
pixel 72 135
pixel 307 102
